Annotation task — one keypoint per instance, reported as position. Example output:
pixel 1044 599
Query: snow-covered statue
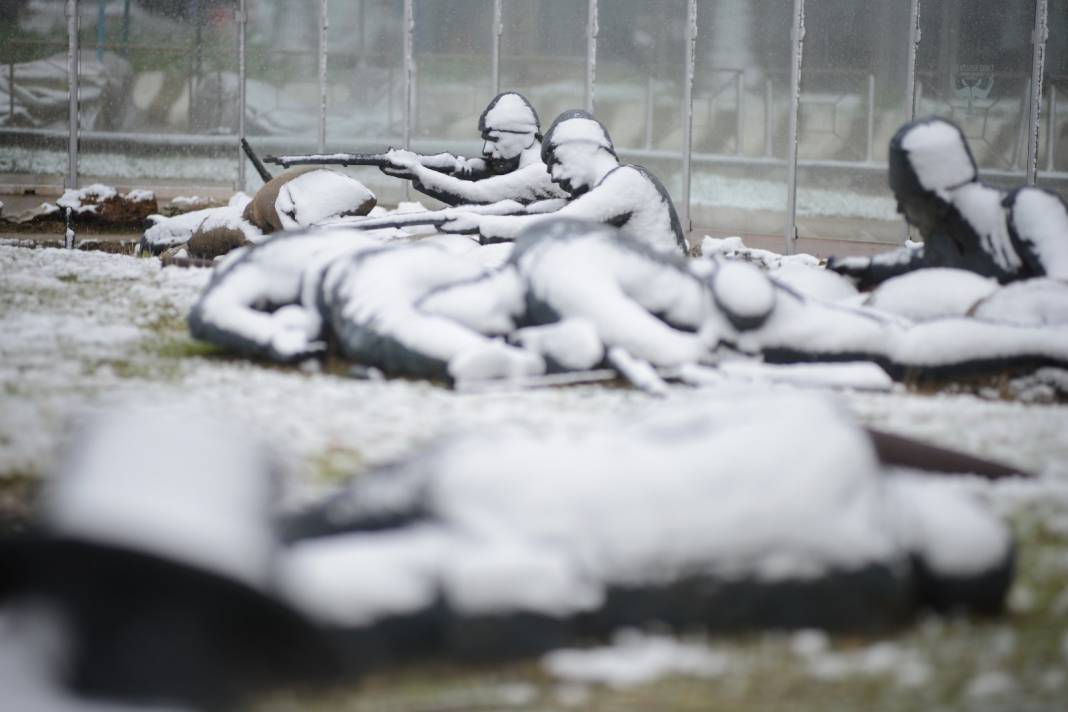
pixel 149 577
pixel 581 159
pixel 495 545
pixel 510 168
pixel 965 223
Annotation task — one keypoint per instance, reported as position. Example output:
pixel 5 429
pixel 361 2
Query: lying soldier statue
pixel 965 224
pixel 510 167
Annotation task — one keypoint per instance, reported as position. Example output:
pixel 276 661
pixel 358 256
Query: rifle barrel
pixel 330 159
pixel 265 175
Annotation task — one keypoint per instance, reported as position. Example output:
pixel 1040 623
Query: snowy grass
pixel 82 331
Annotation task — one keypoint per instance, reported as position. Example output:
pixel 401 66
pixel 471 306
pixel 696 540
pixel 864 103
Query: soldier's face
pixel 502 149
pixel 920 211
pixel 570 166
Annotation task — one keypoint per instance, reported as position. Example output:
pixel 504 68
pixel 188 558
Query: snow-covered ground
pixel 82 331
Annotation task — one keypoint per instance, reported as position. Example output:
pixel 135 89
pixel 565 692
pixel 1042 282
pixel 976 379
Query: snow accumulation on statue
pixel 581 159
pixel 495 544
pixel 511 166
pixel 965 223
pixel 575 295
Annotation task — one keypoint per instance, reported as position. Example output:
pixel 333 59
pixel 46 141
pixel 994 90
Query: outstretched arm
pixel 869 272
pixel 526 185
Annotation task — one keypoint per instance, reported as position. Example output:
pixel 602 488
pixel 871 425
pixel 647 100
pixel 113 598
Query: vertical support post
pixel 11 91
pixel 72 89
pixel 592 28
pixel 687 107
pixel 1051 127
pixel 797 41
pixel 241 17
pixel 324 24
pixel 649 111
pixel 869 151
pixel 498 30
pixel 126 28
pixel 101 37
pixel 1038 68
pixel 910 72
pixel 739 118
pixel 769 117
pixel 409 70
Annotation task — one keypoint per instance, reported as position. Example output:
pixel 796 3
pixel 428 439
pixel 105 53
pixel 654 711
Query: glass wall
pixel 365 85
pixel 641 52
pixel 853 83
pixel 543 54
pixel 157 93
pixel 974 66
pixel 33 95
pixel 740 117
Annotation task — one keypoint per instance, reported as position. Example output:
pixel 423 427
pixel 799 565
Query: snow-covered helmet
pixel 929 155
pixel 575 126
pixel 509 112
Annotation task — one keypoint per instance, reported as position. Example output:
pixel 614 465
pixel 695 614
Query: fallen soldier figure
pixel 965 224
pixel 492 546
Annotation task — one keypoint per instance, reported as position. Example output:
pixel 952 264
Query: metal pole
pixel 409 69
pixel 498 30
pixel 1051 127
pixel 871 118
pixel 126 28
pixel 687 123
pixel 11 92
pixel 1038 68
pixel 739 118
pixel 324 24
pixel 591 52
pixel 910 74
pixel 101 18
pixel 769 117
pixel 242 25
pixel 649 110
pixel 72 90
pixel 797 40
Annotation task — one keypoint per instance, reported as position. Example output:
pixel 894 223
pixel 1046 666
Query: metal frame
pixel 1038 68
pixel 797 40
pixel 241 20
pixel 72 90
pixel 1031 126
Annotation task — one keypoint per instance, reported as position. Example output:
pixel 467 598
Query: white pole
pixel 591 53
pixel 72 89
pixel 498 30
pixel 409 70
pixel 1038 68
pixel 242 70
pixel 687 120
pixel 324 24
pixel 797 38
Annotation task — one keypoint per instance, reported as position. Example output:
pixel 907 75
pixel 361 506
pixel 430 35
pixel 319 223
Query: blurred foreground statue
pixel 965 223
pixel 771 511
pixel 151 574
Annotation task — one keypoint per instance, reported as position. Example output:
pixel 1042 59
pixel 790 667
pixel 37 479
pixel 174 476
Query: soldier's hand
pixel 460 223
pixel 402 163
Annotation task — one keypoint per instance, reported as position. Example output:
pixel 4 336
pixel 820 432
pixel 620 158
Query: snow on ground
pixel 81 331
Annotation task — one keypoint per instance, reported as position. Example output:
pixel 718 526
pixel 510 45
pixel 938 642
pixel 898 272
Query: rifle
pixel 330 159
pixel 265 175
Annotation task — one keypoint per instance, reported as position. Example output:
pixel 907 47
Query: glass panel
pixel 543 54
pixel 740 120
pixel 974 67
pixel 852 101
pixel 282 63
pixel 158 93
pixel 641 52
pixel 365 92
pixel 33 116
pixel 1052 143
pixel 453 73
